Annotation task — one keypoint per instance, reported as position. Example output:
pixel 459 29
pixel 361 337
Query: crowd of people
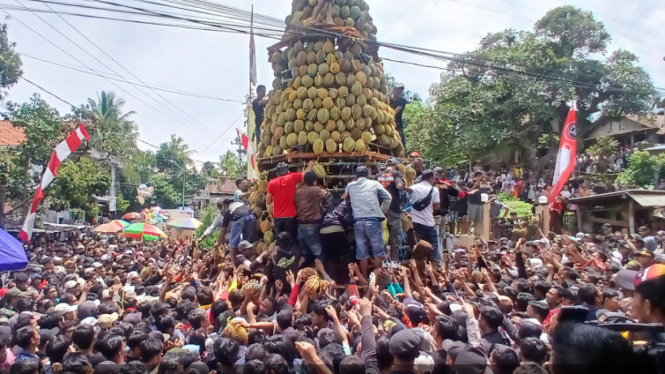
pixel 112 305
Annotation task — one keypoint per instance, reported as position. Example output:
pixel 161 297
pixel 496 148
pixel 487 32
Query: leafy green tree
pixel 229 165
pixel 10 62
pixel 112 132
pixel 75 184
pixel 207 215
pixel 173 155
pixel 43 128
pixel 603 148
pixel 484 110
pixel 642 170
pixel 209 170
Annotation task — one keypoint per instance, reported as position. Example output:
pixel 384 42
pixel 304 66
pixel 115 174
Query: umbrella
pixel 12 254
pixel 120 224
pixel 112 227
pixel 132 216
pixel 185 223
pixel 107 229
pixel 143 231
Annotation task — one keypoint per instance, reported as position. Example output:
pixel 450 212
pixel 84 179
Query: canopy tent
pixel 12 254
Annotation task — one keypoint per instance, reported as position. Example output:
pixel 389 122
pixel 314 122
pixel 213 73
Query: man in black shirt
pixel 398 103
pixel 393 181
pixel 258 105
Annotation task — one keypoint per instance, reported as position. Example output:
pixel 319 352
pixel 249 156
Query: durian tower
pixel 332 101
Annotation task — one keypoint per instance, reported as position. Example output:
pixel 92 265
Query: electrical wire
pixel 94 72
pixel 112 70
pixel 110 81
pixel 225 131
pixel 423 52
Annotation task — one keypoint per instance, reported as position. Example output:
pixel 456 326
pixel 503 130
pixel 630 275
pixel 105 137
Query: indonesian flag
pixel 565 161
pixel 250 152
pixel 61 152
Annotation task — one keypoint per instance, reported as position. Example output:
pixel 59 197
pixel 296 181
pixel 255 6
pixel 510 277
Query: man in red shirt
pixel 281 191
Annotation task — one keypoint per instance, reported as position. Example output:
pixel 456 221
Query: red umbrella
pixel 132 216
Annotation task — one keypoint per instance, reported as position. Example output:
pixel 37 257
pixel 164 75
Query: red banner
pixel 565 161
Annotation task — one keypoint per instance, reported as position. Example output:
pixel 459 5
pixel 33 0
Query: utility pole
pixel 242 153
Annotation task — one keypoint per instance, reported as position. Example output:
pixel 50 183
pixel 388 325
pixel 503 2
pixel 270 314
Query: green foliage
pixel 111 132
pixel 10 62
pixel 43 130
pixel 482 112
pixel 207 215
pixel 605 146
pixel 516 205
pixel 173 155
pixel 229 165
pixel 642 170
pixel 76 182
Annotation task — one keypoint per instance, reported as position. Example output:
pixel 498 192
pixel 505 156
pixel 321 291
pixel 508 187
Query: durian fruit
pixel 313 284
pixel 332 89
pixel 319 170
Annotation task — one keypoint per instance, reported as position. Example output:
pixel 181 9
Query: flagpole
pixel 251 52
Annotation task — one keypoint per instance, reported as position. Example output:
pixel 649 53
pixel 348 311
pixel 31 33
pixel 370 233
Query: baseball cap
pixel 470 360
pixel 97 265
pixel 453 348
pixel 64 308
pixel 643 252
pixel 404 343
pixel 650 243
pixel 244 245
pixel 105 321
pixel 414 310
pixel 92 321
pixel 629 279
pixel 282 168
pixel 21 277
pixel 392 161
pixel 399 85
pixel 70 284
pixel 606 226
pixel 133 318
pixel 88 309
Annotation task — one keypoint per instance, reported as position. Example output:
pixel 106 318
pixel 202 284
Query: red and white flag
pixel 61 152
pixel 565 161
pixel 253 72
pixel 244 139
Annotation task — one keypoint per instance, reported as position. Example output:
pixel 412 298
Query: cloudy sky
pixel 216 64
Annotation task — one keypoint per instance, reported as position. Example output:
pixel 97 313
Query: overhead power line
pixel 94 72
pixel 112 70
pixel 161 112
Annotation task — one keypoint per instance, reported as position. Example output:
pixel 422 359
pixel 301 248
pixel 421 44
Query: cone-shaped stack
pixel 329 94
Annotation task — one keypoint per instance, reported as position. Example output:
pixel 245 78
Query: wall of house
pixel 613 128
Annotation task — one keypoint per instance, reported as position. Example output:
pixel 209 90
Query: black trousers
pixel 289 225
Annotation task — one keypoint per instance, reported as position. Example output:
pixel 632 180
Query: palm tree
pixel 112 132
pixel 174 155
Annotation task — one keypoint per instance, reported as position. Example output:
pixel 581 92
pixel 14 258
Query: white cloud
pixel 216 64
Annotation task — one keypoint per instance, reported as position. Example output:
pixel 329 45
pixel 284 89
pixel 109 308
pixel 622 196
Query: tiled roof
pixel 10 136
pixel 228 188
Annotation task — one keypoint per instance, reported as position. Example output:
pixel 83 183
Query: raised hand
pixel 290 279
pixel 331 312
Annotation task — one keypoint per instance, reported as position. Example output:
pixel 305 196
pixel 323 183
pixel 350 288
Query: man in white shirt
pixel 423 219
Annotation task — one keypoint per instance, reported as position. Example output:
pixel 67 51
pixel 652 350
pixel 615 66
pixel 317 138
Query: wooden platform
pixel 268 163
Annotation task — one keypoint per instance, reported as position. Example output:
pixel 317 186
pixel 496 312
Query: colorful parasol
pixel 12 254
pixel 132 216
pixel 112 227
pixel 144 231
pixel 185 223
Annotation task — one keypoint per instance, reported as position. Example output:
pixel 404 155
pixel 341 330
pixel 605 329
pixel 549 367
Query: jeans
pixel 429 234
pixel 244 226
pixel 369 239
pixel 309 240
pixel 403 135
